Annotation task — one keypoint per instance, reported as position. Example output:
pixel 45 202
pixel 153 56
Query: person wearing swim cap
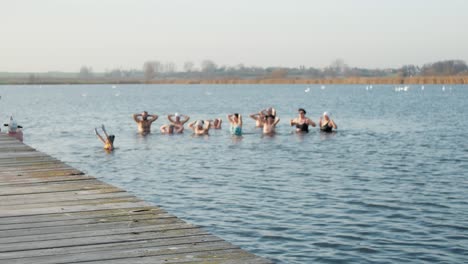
pixel 108 141
pixel 200 127
pixel 175 120
pixel 14 130
pixel 260 116
pixel 144 121
pixel 326 123
pixel 269 126
pixel 302 122
pixel 270 111
pixel 236 124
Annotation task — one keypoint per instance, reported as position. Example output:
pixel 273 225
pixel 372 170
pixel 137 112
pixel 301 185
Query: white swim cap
pixel 327 114
pixel 200 123
pixel 176 115
pixel 12 126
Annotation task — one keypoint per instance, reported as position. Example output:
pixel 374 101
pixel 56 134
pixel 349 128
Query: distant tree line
pixel 208 69
pixel 337 69
pixel 154 71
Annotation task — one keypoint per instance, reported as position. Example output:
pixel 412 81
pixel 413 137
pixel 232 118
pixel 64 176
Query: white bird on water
pixel 322 87
pixel 113 86
pixel 422 87
pixel 443 88
pixel 307 90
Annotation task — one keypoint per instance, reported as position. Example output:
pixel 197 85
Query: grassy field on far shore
pixel 462 79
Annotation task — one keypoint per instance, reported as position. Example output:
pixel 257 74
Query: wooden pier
pixel 53 213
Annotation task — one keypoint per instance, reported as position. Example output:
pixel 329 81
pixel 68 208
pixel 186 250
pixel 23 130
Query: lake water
pixel 390 187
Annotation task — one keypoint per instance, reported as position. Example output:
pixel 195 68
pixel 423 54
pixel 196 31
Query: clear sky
pixel 63 35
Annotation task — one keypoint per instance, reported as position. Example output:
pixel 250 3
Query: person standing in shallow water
pixel 236 124
pixel 326 123
pixel 144 121
pixel 170 129
pixel 259 119
pixel 216 123
pixel 269 127
pixel 176 120
pixel 260 116
pixel 301 122
pixel 200 127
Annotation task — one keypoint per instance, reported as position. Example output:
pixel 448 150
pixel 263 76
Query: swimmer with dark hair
pixel 144 121
pixel 216 123
pixel 108 141
pixel 236 124
pixel 302 123
pixel 326 123
pixel 200 127
pixel 171 129
pixel 270 111
pixel 270 125
pixel 259 119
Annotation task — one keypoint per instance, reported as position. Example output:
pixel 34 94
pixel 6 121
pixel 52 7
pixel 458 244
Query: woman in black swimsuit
pixel 302 123
pixel 326 123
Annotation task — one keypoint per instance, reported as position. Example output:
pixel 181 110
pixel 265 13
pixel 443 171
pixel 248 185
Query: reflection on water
pixel 390 186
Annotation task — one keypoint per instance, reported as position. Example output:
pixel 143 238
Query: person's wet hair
pixel 302 109
pixel 111 138
pixel 236 115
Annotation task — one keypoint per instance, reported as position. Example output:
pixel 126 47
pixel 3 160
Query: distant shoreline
pixel 462 79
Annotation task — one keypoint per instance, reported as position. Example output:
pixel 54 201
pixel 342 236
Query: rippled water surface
pixel 390 186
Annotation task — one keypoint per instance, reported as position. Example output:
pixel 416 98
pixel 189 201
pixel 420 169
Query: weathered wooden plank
pixel 54 187
pixel 27 242
pixel 163 251
pixel 14 180
pixel 17 154
pixel 84 221
pixel 47 198
pixel 43 173
pixel 31 165
pixel 89 227
pixel 76 208
pixel 119 245
pixel 35 171
pixel 196 255
pixel 69 216
pixel 63 204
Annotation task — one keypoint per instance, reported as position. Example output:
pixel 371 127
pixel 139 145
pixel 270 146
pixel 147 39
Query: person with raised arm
pixel 200 127
pixel 108 141
pixel 259 119
pixel 302 122
pixel 170 129
pixel 216 123
pixel 236 124
pixel 144 121
pixel 326 123
pixel 269 127
pixel 176 120
pixel 270 111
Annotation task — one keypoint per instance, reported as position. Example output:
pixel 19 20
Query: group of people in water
pixel 265 119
